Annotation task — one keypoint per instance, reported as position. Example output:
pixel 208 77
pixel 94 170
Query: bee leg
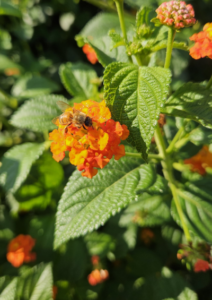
pixel 84 127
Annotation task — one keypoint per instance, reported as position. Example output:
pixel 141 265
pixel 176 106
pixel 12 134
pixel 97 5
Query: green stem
pixel 180 211
pixel 175 139
pixel 120 10
pixel 168 174
pixel 182 142
pixel 138 58
pixel 209 83
pixel 138 155
pixel 171 35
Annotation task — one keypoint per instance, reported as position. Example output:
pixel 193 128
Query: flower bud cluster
pixel 90 53
pixel 97 276
pixel 176 14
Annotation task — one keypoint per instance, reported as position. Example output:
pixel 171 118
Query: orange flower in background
pixel 97 276
pixel 19 248
pixel 203 43
pixel 147 235
pixel 90 53
pixel 200 161
pixel 54 291
pixel 95 260
pixel 91 147
pixel 201 266
pixel 11 71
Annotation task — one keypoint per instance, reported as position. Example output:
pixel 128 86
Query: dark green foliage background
pixel 37 48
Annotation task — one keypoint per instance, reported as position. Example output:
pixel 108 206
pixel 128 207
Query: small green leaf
pixel 36 283
pixel 16 164
pixel 88 203
pixel 77 80
pixel 116 38
pixel 5 39
pixel 9 9
pixel 196 203
pixel 9 292
pixel 201 136
pixel 142 16
pixel 192 101
pixel 135 96
pixel 29 86
pixel 99 243
pixel 37 114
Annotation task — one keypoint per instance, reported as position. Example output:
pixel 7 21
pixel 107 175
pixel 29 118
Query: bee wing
pixel 54 121
pixel 63 105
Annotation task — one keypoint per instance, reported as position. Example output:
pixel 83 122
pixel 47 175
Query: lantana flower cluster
pixel 97 276
pixel 199 162
pixel 90 53
pixel 19 250
pixel 203 43
pixel 176 14
pixel 93 147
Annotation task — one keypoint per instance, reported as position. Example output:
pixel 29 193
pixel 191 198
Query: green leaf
pixel 36 283
pixel 16 164
pixel 29 86
pixel 87 204
pixel 9 291
pixel 201 136
pixel 192 101
pixel 147 211
pixel 167 286
pixel 7 63
pixel 73 261
pixel 9 9
pixel 135 96
pixel 77 80
pixel 99 243
pixel 37 114
pixel 41 187
pixel 5 39
pixel 142 16
pixel 96 34
pixel 196 203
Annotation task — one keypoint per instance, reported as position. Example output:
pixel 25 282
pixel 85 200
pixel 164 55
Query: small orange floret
pixel 203 43
pixel 200 161
pixel 201 266
pixel 97 276
pixel 54 291
pixel 147 235
pixel 19 248
pixel 95 260
pixel 90 53
pixel 93 147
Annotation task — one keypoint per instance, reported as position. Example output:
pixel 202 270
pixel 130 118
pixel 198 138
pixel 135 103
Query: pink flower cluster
pixel 176 14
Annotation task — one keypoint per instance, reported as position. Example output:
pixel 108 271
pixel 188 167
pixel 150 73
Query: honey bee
pixel 77 118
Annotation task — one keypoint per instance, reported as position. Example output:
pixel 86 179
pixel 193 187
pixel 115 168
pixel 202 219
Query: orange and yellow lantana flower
pixel 203 43
pixel 93 147
pixel 200 161
pixel 19 250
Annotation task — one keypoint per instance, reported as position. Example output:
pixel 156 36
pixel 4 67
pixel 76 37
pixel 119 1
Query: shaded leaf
pixel 196 203
pixel 16 164
pixel 77 80
pixel 135 96
pixel 36 283
pixel 192 101
pixel 37 114
pixel 99 243
pixel 29 86
pixel 9 291
pixel 201 136
pixel 9 9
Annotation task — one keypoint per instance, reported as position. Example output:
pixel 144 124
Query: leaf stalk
pixel 175 139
